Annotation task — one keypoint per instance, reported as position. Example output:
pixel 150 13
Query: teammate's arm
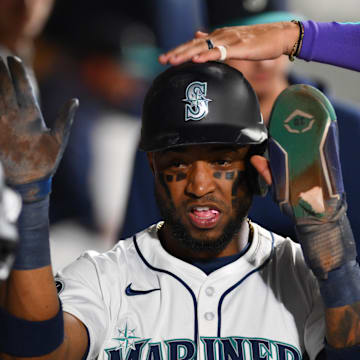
pixel 32 322
pixel 326 42
pixel 339 286
pixel 255 42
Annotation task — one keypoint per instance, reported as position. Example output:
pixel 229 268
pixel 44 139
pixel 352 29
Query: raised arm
pixel 329 42
pixel 308 186
pixel 255 42
pixel 32 321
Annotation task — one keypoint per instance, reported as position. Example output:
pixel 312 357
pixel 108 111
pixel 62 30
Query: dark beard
pixel 180 233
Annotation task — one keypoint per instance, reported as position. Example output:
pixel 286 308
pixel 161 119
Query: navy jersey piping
pixel 88 344
pixel 242 280
pixel 178 279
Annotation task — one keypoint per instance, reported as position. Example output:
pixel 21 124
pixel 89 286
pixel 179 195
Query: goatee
pixel 181 234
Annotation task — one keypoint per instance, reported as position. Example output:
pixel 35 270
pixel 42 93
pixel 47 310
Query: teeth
pixel 202 208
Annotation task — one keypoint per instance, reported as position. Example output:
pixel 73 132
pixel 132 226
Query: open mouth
pixel 204 217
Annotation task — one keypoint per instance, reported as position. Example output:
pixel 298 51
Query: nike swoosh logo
pixel 131 292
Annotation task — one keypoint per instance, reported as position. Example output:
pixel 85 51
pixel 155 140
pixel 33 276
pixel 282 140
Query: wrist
pixel 326 245
pixel 34 249
pixel 34 191
pixel 23 338
pixel 291 36
pixel 342 287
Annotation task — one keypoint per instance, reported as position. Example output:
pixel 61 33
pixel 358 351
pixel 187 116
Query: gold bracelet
pixel 300 39
pixel 297 46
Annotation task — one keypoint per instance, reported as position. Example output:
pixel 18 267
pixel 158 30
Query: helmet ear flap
pixel 256 182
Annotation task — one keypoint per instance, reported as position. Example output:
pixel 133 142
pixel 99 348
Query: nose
pixel 201 180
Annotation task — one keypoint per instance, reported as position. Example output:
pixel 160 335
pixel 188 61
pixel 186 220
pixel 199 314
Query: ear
pixel 150 156
pixel 261 164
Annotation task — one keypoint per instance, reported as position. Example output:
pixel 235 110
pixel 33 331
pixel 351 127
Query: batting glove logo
pixel 299 122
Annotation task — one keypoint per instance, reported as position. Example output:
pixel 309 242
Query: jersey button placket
pixel 209 291
pixel 209 316
pixel 207 310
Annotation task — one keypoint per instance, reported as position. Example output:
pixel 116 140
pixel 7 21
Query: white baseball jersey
pixel 139 302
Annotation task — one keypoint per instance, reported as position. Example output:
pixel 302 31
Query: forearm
pixel 30 291
pixel 72 348
pixel 29 301
pixel 343 326
pixel 30 294
pixel 332 43
pixel 329 250
pixel 341 296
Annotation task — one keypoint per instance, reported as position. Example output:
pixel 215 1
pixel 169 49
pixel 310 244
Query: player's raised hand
pixel 254 42
pixel 261 164
pixel 307 177
pixel 29 151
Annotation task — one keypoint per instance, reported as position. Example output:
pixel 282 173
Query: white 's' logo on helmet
pixel 197 103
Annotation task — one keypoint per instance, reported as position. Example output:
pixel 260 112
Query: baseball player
pixel 206 283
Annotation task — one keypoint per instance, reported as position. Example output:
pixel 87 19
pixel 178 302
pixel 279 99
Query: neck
pixel 176 248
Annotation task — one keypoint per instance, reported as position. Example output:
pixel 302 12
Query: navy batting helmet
pixel 201 103
pixel 210 103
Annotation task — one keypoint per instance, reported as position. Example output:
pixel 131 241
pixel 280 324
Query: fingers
pixel 176 56
pixel 186 51
pixel 262 166
pixel 209 55
pixel 201 35
pixel 196 50
pixel 254 42
pixel 22 84
pixel 61 129
pixel 8 97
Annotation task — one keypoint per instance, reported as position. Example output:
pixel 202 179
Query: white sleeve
pixel 81 295
pixel 314 333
